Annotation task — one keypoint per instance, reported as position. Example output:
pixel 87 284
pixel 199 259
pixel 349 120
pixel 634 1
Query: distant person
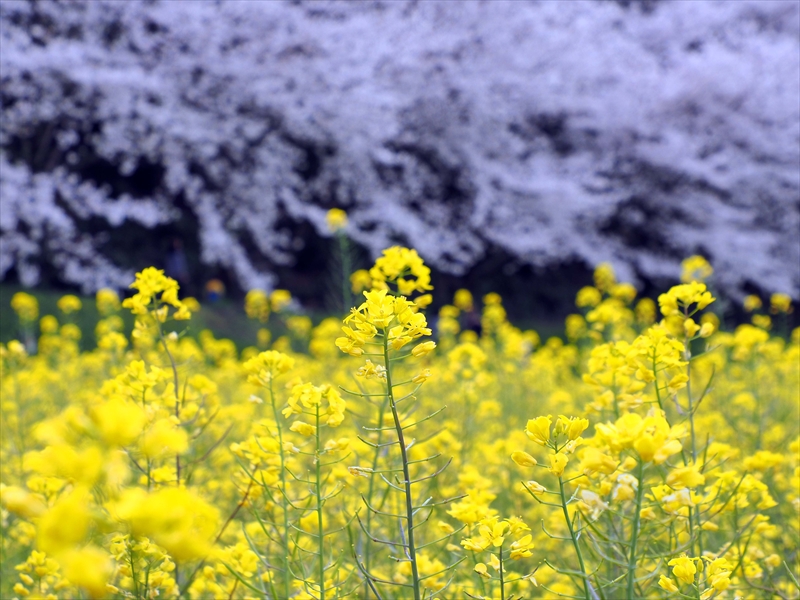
pixel 215 290
pixel 177 266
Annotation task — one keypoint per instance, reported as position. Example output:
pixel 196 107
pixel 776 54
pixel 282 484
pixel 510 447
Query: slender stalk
pixel 575 544
pixel 751 367
pixel 412 551
pixel 177 416
pixel 655 381
pixel 320 531
pixel 635 531
pixel 696 516
pixel 20 429
pixel 284 507
pixel 132 563
pixel 344 251
pixel 370 490
pixel 147 579
pixel 502 582
pixel 688 357
pixel 175 391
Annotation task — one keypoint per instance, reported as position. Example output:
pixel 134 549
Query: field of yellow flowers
pixel 646 455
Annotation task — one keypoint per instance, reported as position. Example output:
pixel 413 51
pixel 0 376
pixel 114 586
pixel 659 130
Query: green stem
pixel 502 582
pixel 177 398
pixel 758 413
pixel 412 551
pixel 635 531
pixel 655 381
pixel 20 429
pixel 177 416
pixel 575 544
pixel 371 488
pixel 320 531
pixel 284 507
pixel 688 357
pixel 344 251
pixel 133 569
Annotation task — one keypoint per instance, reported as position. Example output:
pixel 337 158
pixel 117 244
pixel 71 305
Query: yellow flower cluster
pixel 307 398
pixel 657 454
pixel 26 307
pixel 402 267
pixel 399 316
pixel 336 220
pixel 148 284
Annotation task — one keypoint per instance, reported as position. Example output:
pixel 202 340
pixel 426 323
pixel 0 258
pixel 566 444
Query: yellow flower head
pixel 66 523
pixel 21 502
pixel 69 304
pixel 280 299
pixel 162 438
pixel 118 421
pixel 256 305
pixel 604 277
pixel 149 283
pixel 572 426
pixel 26 307
pixel 398 316
pixel 423 349
pixel 402 267
pixel 463 300
pixel 360 280
pixel 175 518
pixel 303 428
pixel 265 366
pixel 588 296
pixel 535 488
pixel 780 303
pixel 695 268
pixel 752 302
pixel 48 324
pixel 684 568
pixel 522 547
pixel 538 430
pixel 89 568
pixel 665 583
pixel 523 459
pixel 491 534
pixel 689 297
pixel 107 301
pixel 336 220
pixel 558 463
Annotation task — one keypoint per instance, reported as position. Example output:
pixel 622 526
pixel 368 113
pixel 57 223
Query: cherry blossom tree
pixel 630 132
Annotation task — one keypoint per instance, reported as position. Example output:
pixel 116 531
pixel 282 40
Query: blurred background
pixel 516 145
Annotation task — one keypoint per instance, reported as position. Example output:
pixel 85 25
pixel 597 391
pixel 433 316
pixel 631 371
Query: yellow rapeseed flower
pixel 523 459
pixel 119 421
pixel 538 430
pixel 26 307
pixel 780 303
pixel 336 220
pixel 684 568
pixel 256 305
pixel 695 268
pixel 665 583
pixel 69 304
pixel 87 567
pixel 558 462
pixel 107 301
